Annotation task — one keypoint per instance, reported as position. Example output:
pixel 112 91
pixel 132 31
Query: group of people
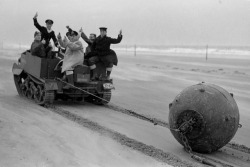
pixel 98 48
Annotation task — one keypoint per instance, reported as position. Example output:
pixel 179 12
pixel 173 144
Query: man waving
pixel 103 52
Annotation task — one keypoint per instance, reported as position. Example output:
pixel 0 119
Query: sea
pixel 238 52
pixel 242 52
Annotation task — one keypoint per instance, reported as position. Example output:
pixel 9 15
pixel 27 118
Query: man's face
pixel 103 33
pixel 74 38
pixel 92 37
pixel 48 25
pixel 70 38
pixel 38 37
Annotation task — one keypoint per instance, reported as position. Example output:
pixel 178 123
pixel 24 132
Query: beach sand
pixel 31 135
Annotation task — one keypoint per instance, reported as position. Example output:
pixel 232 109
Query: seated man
pixel 89 41
pixel 102 52
pixel 37 47
pixel 73 55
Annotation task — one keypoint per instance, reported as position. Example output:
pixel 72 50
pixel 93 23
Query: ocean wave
pixel 219 51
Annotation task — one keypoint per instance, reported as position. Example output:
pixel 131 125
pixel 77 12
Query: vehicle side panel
pixel 39 67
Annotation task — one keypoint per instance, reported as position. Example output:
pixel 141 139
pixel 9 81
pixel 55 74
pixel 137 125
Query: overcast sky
pixel 148 22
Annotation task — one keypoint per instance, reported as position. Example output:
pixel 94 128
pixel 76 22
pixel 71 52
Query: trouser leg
pixel 92 72
pixel 92 64
pixel 70 79
pixel 48 52
pixel 109 70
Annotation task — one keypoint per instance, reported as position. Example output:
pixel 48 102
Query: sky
pixel 143 22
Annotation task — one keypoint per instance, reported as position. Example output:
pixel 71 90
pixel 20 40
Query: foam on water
pixel 233 52
pixel 229 52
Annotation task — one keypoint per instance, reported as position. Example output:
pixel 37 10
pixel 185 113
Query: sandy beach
pixel 31 135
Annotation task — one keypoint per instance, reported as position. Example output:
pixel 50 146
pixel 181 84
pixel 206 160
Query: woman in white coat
pixel 73 56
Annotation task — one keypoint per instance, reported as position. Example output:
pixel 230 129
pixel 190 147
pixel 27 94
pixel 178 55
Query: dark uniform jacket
pixel 102 47
pixel 37 49
pixel 45 34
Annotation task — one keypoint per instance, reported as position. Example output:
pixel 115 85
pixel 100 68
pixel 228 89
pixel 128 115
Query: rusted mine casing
pixel 214 112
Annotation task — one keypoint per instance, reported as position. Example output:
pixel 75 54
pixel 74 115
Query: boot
pixel 92 74
pixel 70 81
pixel 64 78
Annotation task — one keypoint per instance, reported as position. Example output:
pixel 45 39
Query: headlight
pixel 108 86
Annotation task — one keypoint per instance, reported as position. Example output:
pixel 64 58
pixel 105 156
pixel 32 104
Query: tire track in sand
pixel 244 156
pixel 156 121
pixel 151 151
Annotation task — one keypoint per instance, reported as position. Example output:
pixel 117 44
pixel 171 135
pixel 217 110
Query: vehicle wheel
pixel 43 96
pixel 30 91
pixel 39 95
pixel 25 87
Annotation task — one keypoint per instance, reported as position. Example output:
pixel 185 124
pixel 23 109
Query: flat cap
pixel 103 28
pixel 74 33
pixel 49 21
pixel 36 33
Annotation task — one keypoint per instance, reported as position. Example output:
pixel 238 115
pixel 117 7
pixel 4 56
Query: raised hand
pixel 43 41
pixel 65 40
pixel 59 36
pixel 81 31
pixel 36 15
pixel 120 32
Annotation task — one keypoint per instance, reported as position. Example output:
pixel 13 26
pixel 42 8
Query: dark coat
pixel 37 49
pixel 45 34
pixel 102 48
pixel 102 45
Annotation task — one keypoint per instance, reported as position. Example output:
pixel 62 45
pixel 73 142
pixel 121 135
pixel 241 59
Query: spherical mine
pixel 206 114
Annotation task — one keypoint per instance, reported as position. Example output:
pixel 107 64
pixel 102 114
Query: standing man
pixel 46 32
pixel 103 52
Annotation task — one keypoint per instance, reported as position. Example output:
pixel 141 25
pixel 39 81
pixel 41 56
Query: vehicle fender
pixel 16 69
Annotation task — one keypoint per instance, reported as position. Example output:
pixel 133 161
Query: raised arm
pixel 69 29
pixel 74 45
pixel 116 40
pixel 37 25
pixel 84 37
pixel 61 42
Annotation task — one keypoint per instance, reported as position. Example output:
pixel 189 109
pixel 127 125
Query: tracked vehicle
pixel 40 79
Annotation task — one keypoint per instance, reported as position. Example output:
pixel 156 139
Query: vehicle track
pixel 151 151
